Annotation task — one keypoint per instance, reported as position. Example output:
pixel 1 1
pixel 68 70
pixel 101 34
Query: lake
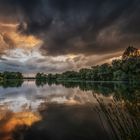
pixel 34 110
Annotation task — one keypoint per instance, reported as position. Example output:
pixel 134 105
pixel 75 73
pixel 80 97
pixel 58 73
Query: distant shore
pixel 125 69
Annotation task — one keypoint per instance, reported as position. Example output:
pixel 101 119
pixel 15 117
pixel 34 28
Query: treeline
pixel 10 75
pixel 11 79
pixel 125 69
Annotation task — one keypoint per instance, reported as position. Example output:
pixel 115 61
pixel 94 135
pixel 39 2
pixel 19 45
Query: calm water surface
pixel 69 111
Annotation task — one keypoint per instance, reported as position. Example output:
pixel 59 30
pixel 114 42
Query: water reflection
pixel 72 110
pixel 11 120
pixel 11 83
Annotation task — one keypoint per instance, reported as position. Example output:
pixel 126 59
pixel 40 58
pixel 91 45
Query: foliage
pixel 125 69
pixel 10 75
pixel 11 79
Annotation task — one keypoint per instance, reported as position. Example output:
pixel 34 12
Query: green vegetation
pixel 10 75
pixel 11 79
pixel 125 69
pixel 41 79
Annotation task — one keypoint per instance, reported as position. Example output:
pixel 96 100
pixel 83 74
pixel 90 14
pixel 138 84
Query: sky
pixel 59 35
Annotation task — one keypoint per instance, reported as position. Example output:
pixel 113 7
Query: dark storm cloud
pixel 8 10
pixel 79 26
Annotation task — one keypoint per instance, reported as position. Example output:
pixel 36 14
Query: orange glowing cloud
pixel 11 38
pixel 24 41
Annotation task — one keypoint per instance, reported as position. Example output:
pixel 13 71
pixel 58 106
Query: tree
pixel 105 72
pixel 130 52
pixel 119 75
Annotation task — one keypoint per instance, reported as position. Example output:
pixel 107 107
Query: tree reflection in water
pixel 115 115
